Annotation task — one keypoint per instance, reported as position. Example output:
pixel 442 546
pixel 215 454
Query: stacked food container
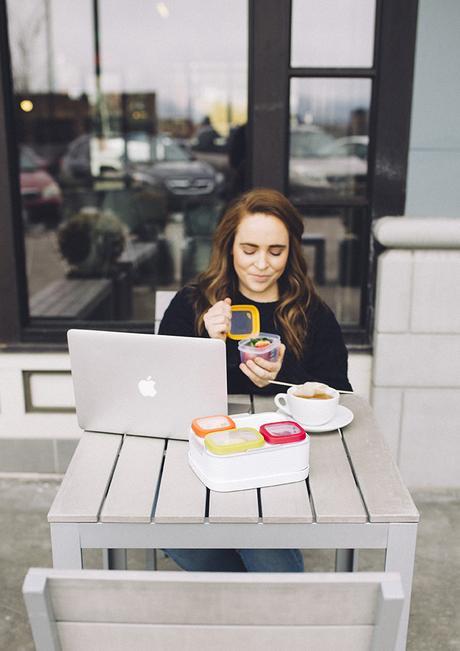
pixel 249 451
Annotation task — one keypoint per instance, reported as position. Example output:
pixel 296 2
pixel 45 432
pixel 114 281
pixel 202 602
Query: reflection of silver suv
pixel 321 167
pixel 154 161
pixel 164 161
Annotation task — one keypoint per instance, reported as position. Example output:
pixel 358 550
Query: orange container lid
pixel 207 424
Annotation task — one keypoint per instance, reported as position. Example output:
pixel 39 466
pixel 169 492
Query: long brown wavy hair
pixel 296 291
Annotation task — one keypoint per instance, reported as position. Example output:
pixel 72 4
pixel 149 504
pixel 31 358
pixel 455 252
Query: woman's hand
pixel 218 318
pixel 260 371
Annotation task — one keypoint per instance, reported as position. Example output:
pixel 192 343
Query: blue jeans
pixel 237 560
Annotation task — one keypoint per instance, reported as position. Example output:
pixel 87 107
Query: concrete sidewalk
pixel 434 623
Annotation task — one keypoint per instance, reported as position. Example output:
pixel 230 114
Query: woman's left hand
pixel 260 371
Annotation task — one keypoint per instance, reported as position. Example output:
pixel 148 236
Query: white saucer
pixel 343 417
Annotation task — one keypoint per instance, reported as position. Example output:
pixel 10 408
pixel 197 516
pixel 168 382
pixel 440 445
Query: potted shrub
pixel 92 241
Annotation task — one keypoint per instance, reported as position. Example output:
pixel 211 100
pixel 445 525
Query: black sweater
pixel 324 356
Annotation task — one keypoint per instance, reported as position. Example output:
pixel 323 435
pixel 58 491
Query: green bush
pixel 92 241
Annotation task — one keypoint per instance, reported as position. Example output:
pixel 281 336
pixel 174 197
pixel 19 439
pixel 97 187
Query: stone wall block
pixel 394 282
pixel 436 292
pixel 416 360
pixel 430 438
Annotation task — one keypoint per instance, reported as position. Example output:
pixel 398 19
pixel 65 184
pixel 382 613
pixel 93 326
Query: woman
pixel 257 259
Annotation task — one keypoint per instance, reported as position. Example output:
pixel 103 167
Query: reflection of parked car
pixel 152 161
pixel 321 167
pixel 90 157
pixel 349 146
pixel 168 164
pixel 41 195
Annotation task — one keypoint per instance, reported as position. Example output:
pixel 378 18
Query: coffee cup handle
pixel 281 401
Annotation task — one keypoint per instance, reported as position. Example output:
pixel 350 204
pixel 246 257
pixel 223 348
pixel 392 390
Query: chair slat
pixel 182 496
pixel 286 503
pixel 334 600
pixel 132 490
pixel 119 637
pixel 88 475
pixel 385 495
pixel 334 492
pixel 236 506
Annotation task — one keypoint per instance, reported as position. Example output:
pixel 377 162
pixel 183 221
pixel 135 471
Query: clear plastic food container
pixel 235 440
pixel 286 431
pixel 264 345
pixel 207 424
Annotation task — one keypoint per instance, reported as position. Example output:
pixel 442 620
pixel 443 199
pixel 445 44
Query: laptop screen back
pixel 146 385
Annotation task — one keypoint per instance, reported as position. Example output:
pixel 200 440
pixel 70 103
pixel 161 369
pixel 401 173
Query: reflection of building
pixel 57 119
pixel 359 122
pixel 54 121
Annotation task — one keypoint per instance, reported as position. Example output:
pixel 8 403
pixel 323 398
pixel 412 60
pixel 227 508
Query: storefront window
pixel 128 117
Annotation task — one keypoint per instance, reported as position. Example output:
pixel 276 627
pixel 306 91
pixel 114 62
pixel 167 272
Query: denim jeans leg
pixel 207 560
pixel 272 560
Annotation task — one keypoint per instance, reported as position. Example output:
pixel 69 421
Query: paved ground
pixel 434 623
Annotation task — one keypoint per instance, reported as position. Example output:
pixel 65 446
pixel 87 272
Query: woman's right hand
pixel 218 318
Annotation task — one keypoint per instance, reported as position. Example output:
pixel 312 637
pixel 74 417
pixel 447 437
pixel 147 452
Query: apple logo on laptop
pixel 147 387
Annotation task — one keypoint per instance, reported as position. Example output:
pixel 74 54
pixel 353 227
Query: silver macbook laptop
pixel 149 385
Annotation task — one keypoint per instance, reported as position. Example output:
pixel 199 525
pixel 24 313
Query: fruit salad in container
pixel 263 345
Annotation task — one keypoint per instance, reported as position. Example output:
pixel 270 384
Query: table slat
pixel 265 403
pixel 239 404
pixel 385 495
pixel 182 496
pixel 132 490
pixel 334 492
pixel 286 503
pixel 83 488
pixel 235 506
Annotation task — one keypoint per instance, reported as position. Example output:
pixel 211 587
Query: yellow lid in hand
pixel 245 322
pixel 234 440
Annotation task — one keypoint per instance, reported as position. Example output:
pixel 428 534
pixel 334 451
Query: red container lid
pixel 283 431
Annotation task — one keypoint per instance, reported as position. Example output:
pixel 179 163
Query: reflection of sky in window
pixel 328 101
pixel 194 58
pixel 334 33
pixel 196 55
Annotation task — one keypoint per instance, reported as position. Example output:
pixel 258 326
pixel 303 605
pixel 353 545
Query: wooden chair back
pixel 115 610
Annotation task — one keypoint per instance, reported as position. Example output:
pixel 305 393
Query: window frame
pixel 389 123
pixel 269 77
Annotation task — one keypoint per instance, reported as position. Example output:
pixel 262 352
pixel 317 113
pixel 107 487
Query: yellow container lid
pixel 245 322
pixel 234 440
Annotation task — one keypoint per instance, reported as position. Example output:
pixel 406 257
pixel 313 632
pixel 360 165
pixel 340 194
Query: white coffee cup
pixel 311 411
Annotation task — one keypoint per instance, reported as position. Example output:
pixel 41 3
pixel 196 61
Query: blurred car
pixel 89 157
pixel 322 167
pixel 41 195
pixel 166 163
pixel 152 161
pixel 349 146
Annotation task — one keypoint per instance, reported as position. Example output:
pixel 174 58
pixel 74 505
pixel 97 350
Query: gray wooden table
pixel 122 492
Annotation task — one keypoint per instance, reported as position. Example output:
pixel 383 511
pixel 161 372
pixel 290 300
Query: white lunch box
pixel 269 465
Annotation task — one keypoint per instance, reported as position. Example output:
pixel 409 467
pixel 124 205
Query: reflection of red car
pixel 41 195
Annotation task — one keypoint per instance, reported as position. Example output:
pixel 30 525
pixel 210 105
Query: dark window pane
pixel 335 250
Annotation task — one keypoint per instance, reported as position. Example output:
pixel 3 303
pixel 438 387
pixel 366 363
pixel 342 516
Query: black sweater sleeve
pixel 179 317
pixel 327 353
